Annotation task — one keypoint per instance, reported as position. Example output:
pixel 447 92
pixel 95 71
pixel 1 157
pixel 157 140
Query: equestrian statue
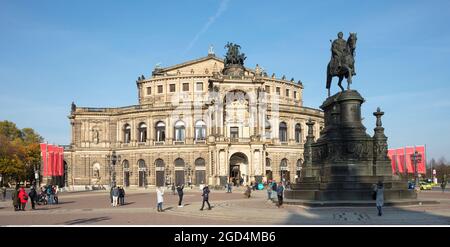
pixel 342 63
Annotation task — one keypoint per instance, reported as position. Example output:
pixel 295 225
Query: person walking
pixel 180 195
pixel 55 190
pixel 121 196
pixel 115 196
pixel 280 192
pixel 269 191
pixel 15 198
pixel 443 184
pixel 205 196
pixel 23 198
pixel 33 197
pixel 3 193
pixel 379 197
pixel 160 198
pixel 49 192
pixel 274 188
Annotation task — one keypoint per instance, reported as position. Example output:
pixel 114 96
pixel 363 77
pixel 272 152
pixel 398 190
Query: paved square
pixel 85 208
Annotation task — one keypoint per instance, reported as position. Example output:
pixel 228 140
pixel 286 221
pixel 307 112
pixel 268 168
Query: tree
pixel 19 152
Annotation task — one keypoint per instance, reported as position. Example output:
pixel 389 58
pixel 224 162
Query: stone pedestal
pixel 345 162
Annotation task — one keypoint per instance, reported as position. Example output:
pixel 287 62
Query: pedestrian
pixel 205 196
pixel 380 197
pixel 111 195
pixel 229 187
pixel 55 191
pixel 180 195
pixel 121 196
pixel 280 191
pixel 115 196
pixel 33 197
pixel 269 191
pixel 23 198
pixel 274 188
pixel 160 198
pixel 248 191
pixel 3 193
pixel 15 198
pixel 49 192
pixel 443 185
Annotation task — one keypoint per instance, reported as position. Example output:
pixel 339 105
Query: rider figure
pixel 338 51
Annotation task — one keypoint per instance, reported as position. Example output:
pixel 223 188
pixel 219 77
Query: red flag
pixel 421 165
pixel 51 160
pixel 44 159
pixel 409 163
pixel 61 161
pixel 400 159
pixel 391 154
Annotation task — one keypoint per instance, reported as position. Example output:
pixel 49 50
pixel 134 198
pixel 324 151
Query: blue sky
pixel 91 52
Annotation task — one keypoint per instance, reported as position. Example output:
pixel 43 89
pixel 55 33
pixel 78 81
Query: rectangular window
pixel 267 89
pixel 160 88
pixel 172 88
pixel 149 90
pixel 278 91
pixel 234 132
pixel 295 94
pixel 199 86
pixel 287 92
pixel 185 87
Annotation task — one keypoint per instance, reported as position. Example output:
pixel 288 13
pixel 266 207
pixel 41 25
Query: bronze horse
pixel 346 69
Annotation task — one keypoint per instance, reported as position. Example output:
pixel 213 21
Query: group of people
pixel 117 196
pixel 20 197
pixel 277 189
pixel 179 189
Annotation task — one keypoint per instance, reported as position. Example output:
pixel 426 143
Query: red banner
pixel 421 165
pixel 391 155
pixel 51 160
pixel 61 161
pixel 400 159
pixel 44 159
pixel 409 162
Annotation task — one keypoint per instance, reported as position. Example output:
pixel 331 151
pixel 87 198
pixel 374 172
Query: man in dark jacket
pixel 180 195
pixel 33 197
pixel 121 196
pixel 205 196
pixel 15 198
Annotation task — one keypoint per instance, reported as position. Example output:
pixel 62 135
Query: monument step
pixel 347 194
pixel 367 203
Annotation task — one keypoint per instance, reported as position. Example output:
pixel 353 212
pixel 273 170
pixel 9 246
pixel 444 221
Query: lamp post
pixel 112 167
pixel 416 157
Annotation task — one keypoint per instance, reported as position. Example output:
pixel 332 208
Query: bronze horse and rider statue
pixel 342 62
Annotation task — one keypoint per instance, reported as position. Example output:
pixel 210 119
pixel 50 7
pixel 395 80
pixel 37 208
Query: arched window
pixel 141 165
pixel 142 131
pixel 96 169
pixel 283 132
pixel 160 132
pixel 298 133
pixel 179 131
pixel 283 164
pixel 200 162
pixel 268 129
pixel 179 162
pixel 299 164
pixel 126 133
pixel 126 165
pixel 200 130
pixel 159 163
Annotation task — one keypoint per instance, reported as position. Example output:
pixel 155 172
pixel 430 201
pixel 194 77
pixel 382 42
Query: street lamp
pixel 416 157
pixel 112 167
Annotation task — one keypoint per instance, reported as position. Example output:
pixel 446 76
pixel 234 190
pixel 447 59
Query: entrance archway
pixel 142 173
pixel 238 169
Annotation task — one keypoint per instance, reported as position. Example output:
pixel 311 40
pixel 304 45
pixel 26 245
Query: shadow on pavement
pixel 86 220
pixel 365 216
pixel 65 202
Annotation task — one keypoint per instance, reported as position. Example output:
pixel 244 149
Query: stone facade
pixel 193 124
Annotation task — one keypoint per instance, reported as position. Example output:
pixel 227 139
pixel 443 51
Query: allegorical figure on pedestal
pixel 342 63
